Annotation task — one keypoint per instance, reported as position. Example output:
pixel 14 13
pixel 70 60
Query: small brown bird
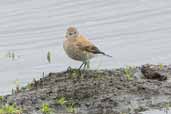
pixel 79 48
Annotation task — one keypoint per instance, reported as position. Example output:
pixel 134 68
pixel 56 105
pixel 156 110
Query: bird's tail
pixel 105 54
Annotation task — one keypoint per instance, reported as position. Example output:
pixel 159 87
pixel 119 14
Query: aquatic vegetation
pixel 122 113
pixel 166 107
pixel 1 98
pixel 98 76
pixel 71 108
pixel 46 109
pixel 69 105
pixel 49 56
pixel 74 73
pixel 161 66
pixel 128 72
pixel 29 86
pixel 17 84
pixel 61 101
pixel 10 109
pixel 11 55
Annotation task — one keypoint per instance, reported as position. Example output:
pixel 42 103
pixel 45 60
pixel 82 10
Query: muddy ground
pixel 129 90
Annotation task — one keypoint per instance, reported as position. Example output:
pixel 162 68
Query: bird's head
pixel 72 32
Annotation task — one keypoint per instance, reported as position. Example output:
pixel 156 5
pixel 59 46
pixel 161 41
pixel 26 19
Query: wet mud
pixel 118 91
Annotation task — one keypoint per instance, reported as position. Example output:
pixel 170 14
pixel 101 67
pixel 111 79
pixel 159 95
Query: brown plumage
pixel 79 47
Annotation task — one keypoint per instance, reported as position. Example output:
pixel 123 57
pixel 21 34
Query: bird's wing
pixel 89 48
pixel 85 45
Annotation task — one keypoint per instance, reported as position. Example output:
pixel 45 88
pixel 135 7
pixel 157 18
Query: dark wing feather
pixel 92 49
pixel 89 48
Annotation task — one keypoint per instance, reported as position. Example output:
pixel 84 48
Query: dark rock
pixel 158 72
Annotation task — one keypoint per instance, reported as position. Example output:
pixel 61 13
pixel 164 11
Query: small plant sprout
pixel 17 83
pixel 122 113
pixel 71 108
pixel 74 73
pixel 46 109
pixel 61 101
pixel 49 56
pixel 10 109
pixel 1 98
pixel 69 105
pixel 128 73
pixel 11 55
pixel 166 107
pixel 161 66
pixel 29 86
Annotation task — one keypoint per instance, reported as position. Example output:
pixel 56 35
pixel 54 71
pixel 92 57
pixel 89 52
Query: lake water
pixel 163 111
pixel 134 32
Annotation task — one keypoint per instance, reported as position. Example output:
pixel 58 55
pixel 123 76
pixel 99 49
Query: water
pixel 163 111
pixel 134 32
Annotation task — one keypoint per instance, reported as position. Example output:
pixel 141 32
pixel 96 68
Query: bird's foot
pixel 69 69
pixel 74 73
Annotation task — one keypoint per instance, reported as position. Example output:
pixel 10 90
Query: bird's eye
pixel 70 34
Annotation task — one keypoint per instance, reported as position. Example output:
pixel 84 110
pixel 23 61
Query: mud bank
pixel 125 90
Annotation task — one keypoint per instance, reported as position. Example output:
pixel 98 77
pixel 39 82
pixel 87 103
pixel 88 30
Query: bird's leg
pixel 69 68
pixel 86 65
pixel 79 70
pixel 81 65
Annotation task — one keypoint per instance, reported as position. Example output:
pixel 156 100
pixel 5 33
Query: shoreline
pixel 124 90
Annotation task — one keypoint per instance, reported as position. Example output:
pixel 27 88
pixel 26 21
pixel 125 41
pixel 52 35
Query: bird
pixel 79 48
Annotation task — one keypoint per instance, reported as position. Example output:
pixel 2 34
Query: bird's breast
pixel 74 52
